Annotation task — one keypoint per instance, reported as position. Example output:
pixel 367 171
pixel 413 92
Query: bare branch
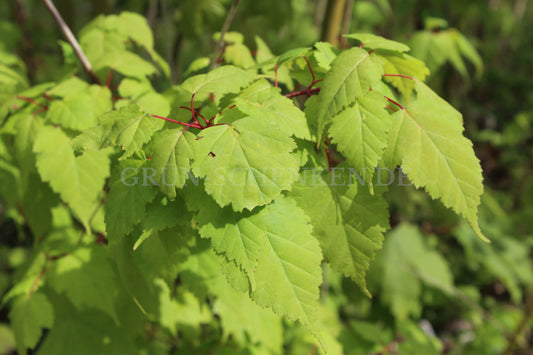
pixel 72 40
pixel 225 28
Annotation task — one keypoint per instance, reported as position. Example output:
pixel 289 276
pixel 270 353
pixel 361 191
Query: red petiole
pixel 399 76
pixel 309 91
pixel 390 108
pixel 179 122
pixel 196 112
pixel 276 75
pixel 394 102
pixel 109 78
pixel 31 101
pixel 302 92
pixel 327 153
pixel 193 112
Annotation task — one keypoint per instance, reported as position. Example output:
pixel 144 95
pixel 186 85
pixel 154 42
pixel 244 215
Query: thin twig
pixel 225 28
pixel 307 92
pixel 37 280
pixel 72 40
pixel 522 326
pixel 178 122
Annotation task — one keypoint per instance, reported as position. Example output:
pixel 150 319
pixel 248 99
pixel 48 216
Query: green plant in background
pixel 241 211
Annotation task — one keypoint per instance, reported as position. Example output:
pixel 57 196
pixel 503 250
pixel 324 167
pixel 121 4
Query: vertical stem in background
pixel 173 48
pixel 151 15
pixel 26 46
pixel 72 40
pixel 347 17
pixel 225 28
pixel 319 13
pixel 520 7
pixel 331 27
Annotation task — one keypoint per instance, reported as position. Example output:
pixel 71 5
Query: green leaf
pixel 427 137
pixel 128 64
pixel 37 203
pixel 266 62
pixel 141 290
pixel 7 340
pixel 222 80
pixel 437 48
pixel 85 332
pixel 129 193
pixel 27 128
pixel 468 50
pixel 172 152
pixel 418 341
pixel 348 221
pixel 69 87
pixel 239 236
pixel 246 164
pixel 424 48
pixel 239 55
pixel 87 278
pixel 29 315
pixel 403 64
pixel 80 110
pixel 197 65
pixel 263 100
pixel 506 259
pixel 129 128
pixel 371 41
pixel 352 74
pixel 135 26
pixel 406 263
pixel 161 255
pixel 263 52
pixel 242 319
pixel 162 214
pixel 325 54
pixel 292 54
pixel 142 93
pixel 184 313
pixel 360 132
pixel 78 180
pixel 104 41
pixel 288 271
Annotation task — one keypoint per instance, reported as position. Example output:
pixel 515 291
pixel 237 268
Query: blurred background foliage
pixel 436 287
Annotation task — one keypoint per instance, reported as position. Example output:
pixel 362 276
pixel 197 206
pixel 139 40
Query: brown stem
pixel 37 279
pixel 522 326
pixel 302 92
pixel 225 28
pixel 320 9
pixel 152 13
pixel 331 27
pixel 346 21
pixel 72 40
